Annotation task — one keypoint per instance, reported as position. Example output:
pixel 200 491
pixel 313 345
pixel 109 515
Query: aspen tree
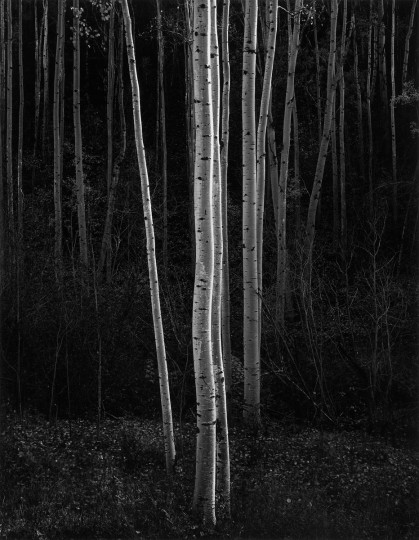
pixel 321 159
pixel 58 133
pixel 169 442
pixel 392 119
pixel 45 69
pixel 293 46
pixel 223 455
pixel 382 66
pixel 342 163
pixel 205 476
pixel 78 147
pixel 273 163
pixel 162 123
pixel 224 144
pixel 251 411
pixel 272 22
pixel 407 42
pixel 369 116
pixel 110 93
pixel 297 167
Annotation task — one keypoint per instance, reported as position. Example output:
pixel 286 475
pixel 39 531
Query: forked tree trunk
pixel 223 455
pixel 205 475
pixel 169 441
pixel 78 148
pixel 251 410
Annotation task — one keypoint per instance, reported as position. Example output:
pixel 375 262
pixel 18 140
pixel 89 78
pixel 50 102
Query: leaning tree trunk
pixel 78 149
pixel 251 410
pixel 169 442
pixel 205 476
pixel 321 159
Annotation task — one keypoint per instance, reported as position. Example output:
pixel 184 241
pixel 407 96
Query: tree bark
pixel 251 410
pixel 45 68
pixel 369 116
pixel 392 117
pixel 205 476
pixel 342 161
pixel 169 442
pixel 407 42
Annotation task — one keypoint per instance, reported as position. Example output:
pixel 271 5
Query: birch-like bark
pixel 162 123
pixel 224 145
pixel 293 46
pixel 318 88
pixel 342 161
pixel 407 42
pixel 392 118
pixel 251 410
pixel 78 146
pixel 168 435
pixel 223 454
pixel 297 173
pixel 39 33
pixel 273 163
pixel 58 143
pixel 382 65
pixel 205 475
pixel 335 178
pixel 321 159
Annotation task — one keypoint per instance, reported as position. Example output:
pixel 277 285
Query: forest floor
pixel 291 482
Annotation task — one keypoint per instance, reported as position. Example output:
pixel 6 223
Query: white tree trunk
pixel 251 411
pixel 169 442
pixel 204 493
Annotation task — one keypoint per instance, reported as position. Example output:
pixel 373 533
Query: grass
pixel 288 483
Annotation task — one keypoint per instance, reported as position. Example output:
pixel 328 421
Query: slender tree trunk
pixel 335 181
pixel 272 23
pixel 293 46
pixel 110 93
pixel 225 296
pixel 169 442
pixel 297 173
pixel 369 116
pixel 273 163
pixel 2 214
pixel 39 33
pixel 392 118
pixel 318 87
pixel 382 66
pixel 251 409
pixel 321 160
pixel 58 143
pixel 78 147
pixel 223 454
pixel 361 151
pixel 342 161
pixel 162 113
pixel 205 476
pixel 9 130
pixel 45 68
pixel 407 42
